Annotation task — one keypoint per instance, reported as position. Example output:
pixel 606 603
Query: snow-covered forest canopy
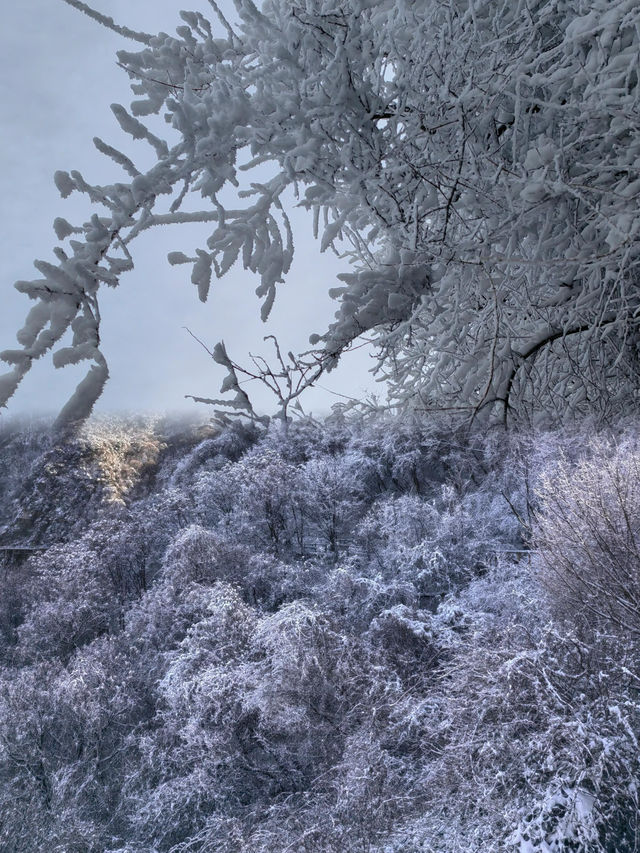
pixel 342 637
pixel 476 161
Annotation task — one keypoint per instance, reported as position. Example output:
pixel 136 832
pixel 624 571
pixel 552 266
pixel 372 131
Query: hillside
pixel 373 636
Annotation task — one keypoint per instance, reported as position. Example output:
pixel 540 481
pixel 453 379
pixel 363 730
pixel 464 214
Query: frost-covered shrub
pixel 212 452
pixel 440 543
pixel 62 750
pixel 159 621
pixel 399 457
pixel 21 445
pixel 71 603
pixel 187 763
pixel 333 498
pixel 268 582
pixel 202 556
pixel 370 791
pixel 588 537
pixel 253 709
pixel 405 636
pixel 525 725
pixel 256 499
pixel 354 596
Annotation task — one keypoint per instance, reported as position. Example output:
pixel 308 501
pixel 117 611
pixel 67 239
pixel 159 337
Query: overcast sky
pixel 59 79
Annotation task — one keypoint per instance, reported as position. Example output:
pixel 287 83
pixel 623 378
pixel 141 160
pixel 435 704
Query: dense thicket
pixel 343 637
pixel 477 161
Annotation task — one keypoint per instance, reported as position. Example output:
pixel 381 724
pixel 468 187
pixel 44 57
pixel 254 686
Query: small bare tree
pixel 286 380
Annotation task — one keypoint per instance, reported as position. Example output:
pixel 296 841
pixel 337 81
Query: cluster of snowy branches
pixel 340 637
pixel 477 161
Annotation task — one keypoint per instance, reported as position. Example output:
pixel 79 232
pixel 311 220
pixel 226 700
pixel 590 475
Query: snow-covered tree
pixel 477 162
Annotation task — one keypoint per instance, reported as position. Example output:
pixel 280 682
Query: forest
pixel 413 625
pixel 352 635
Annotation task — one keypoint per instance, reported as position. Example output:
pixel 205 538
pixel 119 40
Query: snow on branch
pixel 484 194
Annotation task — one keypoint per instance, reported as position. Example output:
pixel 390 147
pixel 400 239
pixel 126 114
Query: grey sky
pixel 59 78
